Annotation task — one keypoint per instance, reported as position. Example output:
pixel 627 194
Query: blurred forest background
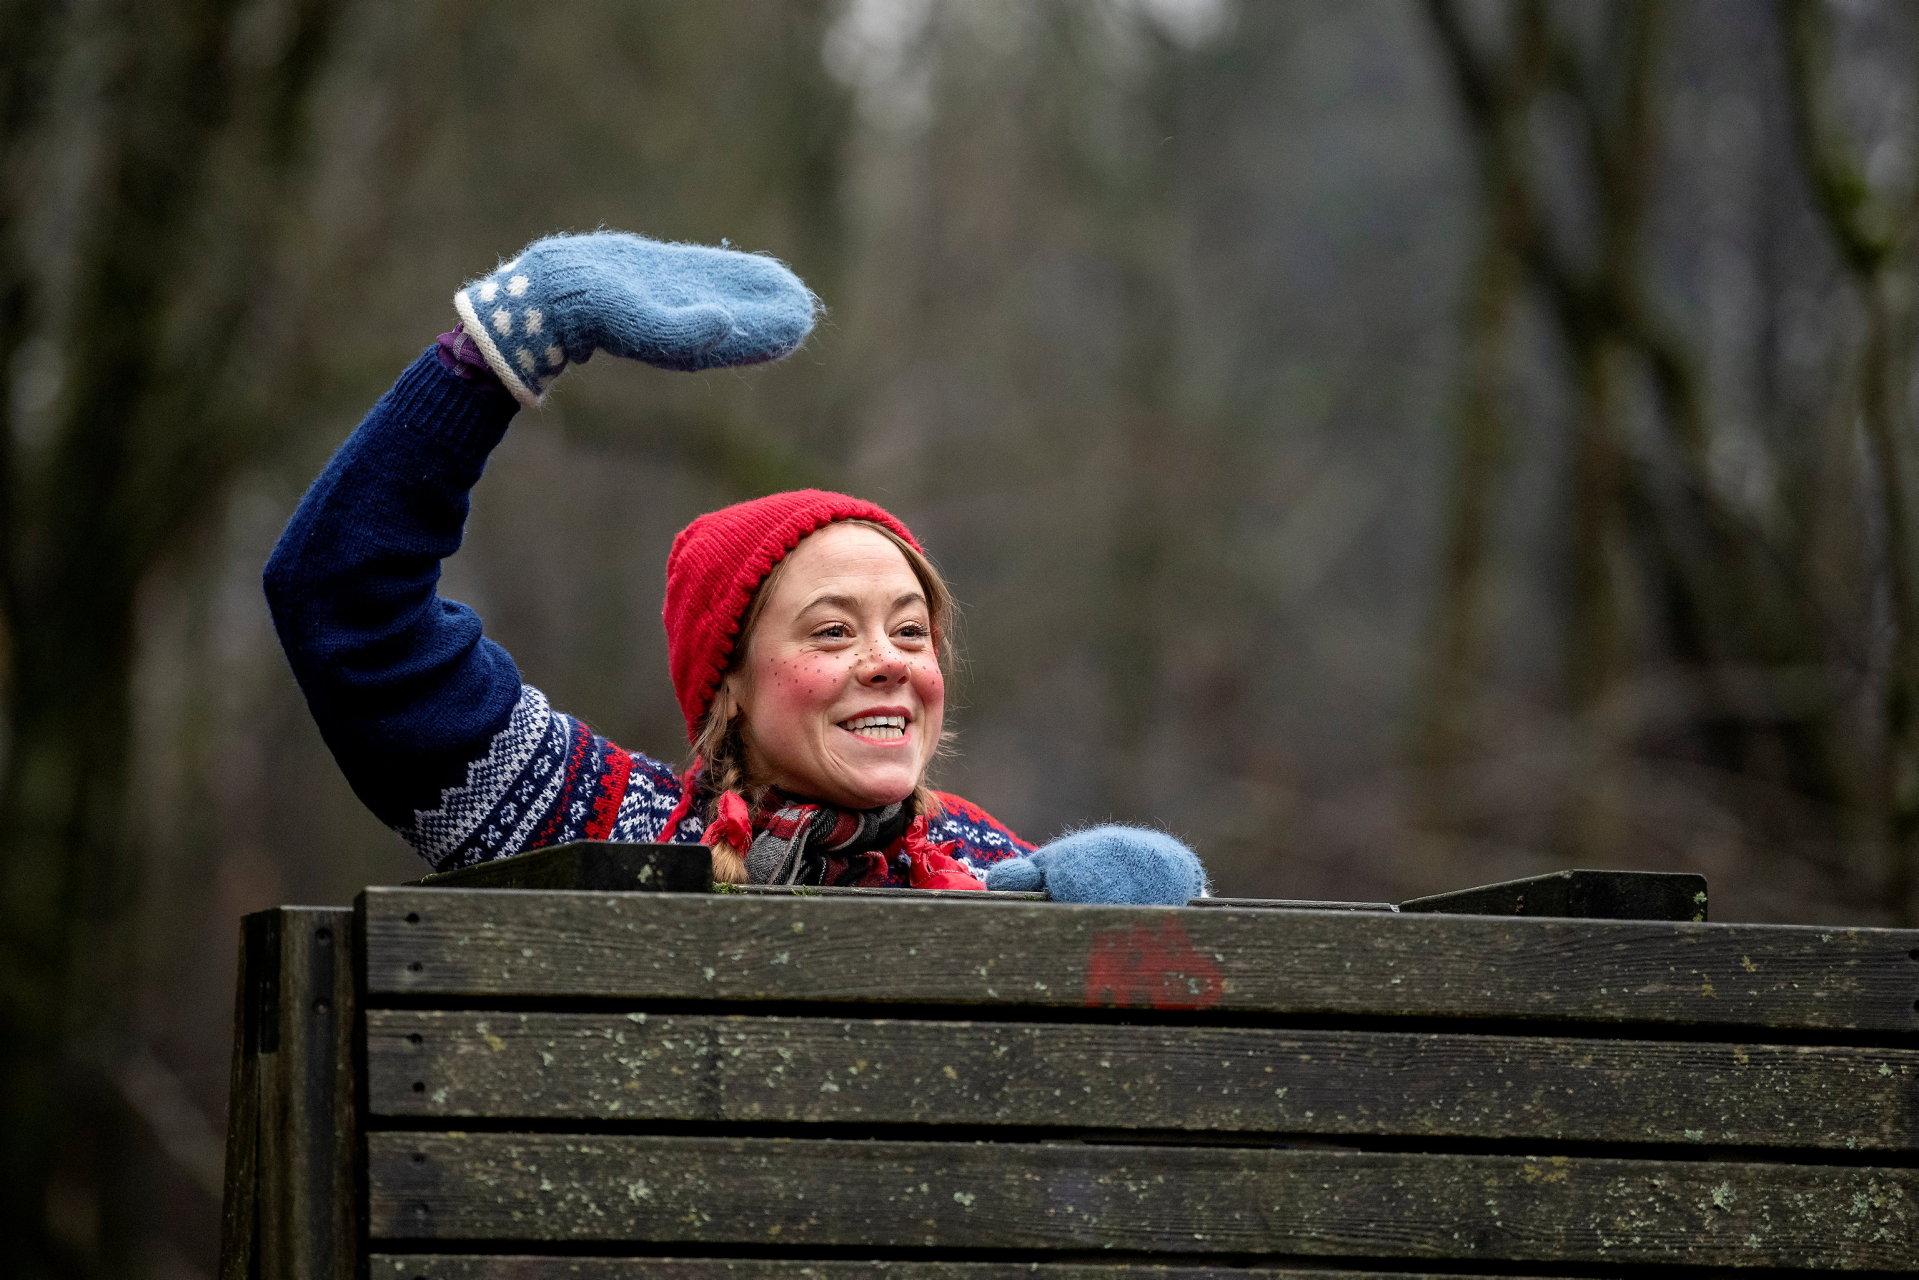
pixel 1395 445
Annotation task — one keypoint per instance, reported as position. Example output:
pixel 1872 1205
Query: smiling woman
pixel 807 632
pixel 838 692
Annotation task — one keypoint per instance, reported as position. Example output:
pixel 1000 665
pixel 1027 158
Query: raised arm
pixel 428 719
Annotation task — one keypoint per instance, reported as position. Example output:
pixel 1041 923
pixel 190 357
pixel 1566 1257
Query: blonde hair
pixel 720 747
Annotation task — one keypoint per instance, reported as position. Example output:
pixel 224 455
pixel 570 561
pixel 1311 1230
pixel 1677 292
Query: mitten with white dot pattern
pixel 677 306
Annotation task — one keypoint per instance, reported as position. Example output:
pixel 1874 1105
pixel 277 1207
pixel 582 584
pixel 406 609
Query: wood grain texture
pixel 308 1104
pixel 746 1070
pixel 589 864
pixel 1585 895
pixel 744 947
pixel 532 1267
pixel 961 896
pixel 239 1201
pixel 1069 1196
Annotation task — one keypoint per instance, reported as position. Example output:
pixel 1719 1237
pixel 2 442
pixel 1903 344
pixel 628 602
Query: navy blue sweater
pixel 428 718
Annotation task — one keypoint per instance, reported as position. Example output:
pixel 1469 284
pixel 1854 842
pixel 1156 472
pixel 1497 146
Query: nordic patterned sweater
pixel 428 718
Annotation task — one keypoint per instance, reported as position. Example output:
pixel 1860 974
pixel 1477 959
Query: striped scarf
pixel 795 840
pixel 802 843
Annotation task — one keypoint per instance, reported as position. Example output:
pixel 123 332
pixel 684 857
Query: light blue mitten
pixel 677 306
pixel 1107 864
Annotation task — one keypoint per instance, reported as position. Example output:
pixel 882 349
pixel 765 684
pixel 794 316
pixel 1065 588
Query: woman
pixel 806 631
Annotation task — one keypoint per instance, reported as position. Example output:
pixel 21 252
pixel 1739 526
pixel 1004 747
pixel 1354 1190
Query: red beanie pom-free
pixel 718 562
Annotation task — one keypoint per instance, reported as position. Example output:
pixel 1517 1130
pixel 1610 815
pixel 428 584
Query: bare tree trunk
pixel 1879 420
pixel 1715 592
pixel 1498 94
pixel 1594 638
pixel 1481 431
pixel 1874 244
pixel 74 564
pixel 141 443
pixel 1481 442
pixel 63 854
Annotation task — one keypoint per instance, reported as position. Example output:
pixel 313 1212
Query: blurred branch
pixel 1867 229
pixel 170 92
pixel 1873 244
pixel 27 59
pixel 289 94
pixel 1498 100
pixel 139 440
pixel 188 464
pixel 1607 297
pixel 169 1113
pixel 1720 588
pixel 1481 429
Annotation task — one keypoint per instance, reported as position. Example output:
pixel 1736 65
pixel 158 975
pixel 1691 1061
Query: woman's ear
pixel 728 699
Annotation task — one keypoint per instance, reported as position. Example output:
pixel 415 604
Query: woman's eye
pixel 833 631
pixel 913 631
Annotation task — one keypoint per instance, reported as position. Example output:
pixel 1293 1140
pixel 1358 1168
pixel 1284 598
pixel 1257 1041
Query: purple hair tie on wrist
pixel 461 356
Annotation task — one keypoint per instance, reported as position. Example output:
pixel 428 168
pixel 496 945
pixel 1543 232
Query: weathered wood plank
pixel 529 1267
pixel 589 864
pixel 741 947
pixel 308 1116
pixel 1244 1202
pixel 240 1199
pixel 961 896
pixel 1585 895
pixel 276 1177
pixel 428 1063
pixel 1291 904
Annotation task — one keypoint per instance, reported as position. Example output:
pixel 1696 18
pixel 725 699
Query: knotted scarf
pixel 794 842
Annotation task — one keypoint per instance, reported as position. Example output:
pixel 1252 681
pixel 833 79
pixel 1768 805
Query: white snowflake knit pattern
pixel 512 335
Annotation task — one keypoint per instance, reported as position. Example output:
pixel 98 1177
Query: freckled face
pixel 841 685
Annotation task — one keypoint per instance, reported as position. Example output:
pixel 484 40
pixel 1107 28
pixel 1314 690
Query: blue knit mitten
pixel 1107 864
pixel 678 306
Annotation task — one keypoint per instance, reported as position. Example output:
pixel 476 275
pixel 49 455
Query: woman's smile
pixel 885 727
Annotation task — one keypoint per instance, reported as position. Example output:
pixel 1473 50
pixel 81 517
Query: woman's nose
pixel 882 665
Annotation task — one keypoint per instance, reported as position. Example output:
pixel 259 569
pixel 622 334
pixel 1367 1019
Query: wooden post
pixel 239 1209
pixel 292 1208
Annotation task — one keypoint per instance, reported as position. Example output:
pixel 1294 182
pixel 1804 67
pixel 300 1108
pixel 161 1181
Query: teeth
pixel 877 726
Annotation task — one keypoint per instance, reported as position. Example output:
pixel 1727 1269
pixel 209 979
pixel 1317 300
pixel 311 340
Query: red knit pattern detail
pixel 577 749
pixel 606 804
pixel 960 807
pixel 682 807
pixel 719 561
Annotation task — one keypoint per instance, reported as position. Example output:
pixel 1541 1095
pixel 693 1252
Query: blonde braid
pixel 723 756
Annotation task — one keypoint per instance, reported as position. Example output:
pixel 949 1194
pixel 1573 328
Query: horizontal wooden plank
pixel 430 1266
pixel 962 896
pixel 1292 904
pixel 464 1064
pixel 1586 895
pixel 589 864
pixel 1181 1200
pixel 474 944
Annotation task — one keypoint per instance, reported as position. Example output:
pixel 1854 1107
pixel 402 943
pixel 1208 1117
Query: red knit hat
pixel 716 565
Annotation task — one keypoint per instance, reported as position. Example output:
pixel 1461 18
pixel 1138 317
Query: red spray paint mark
pixel 1150 967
